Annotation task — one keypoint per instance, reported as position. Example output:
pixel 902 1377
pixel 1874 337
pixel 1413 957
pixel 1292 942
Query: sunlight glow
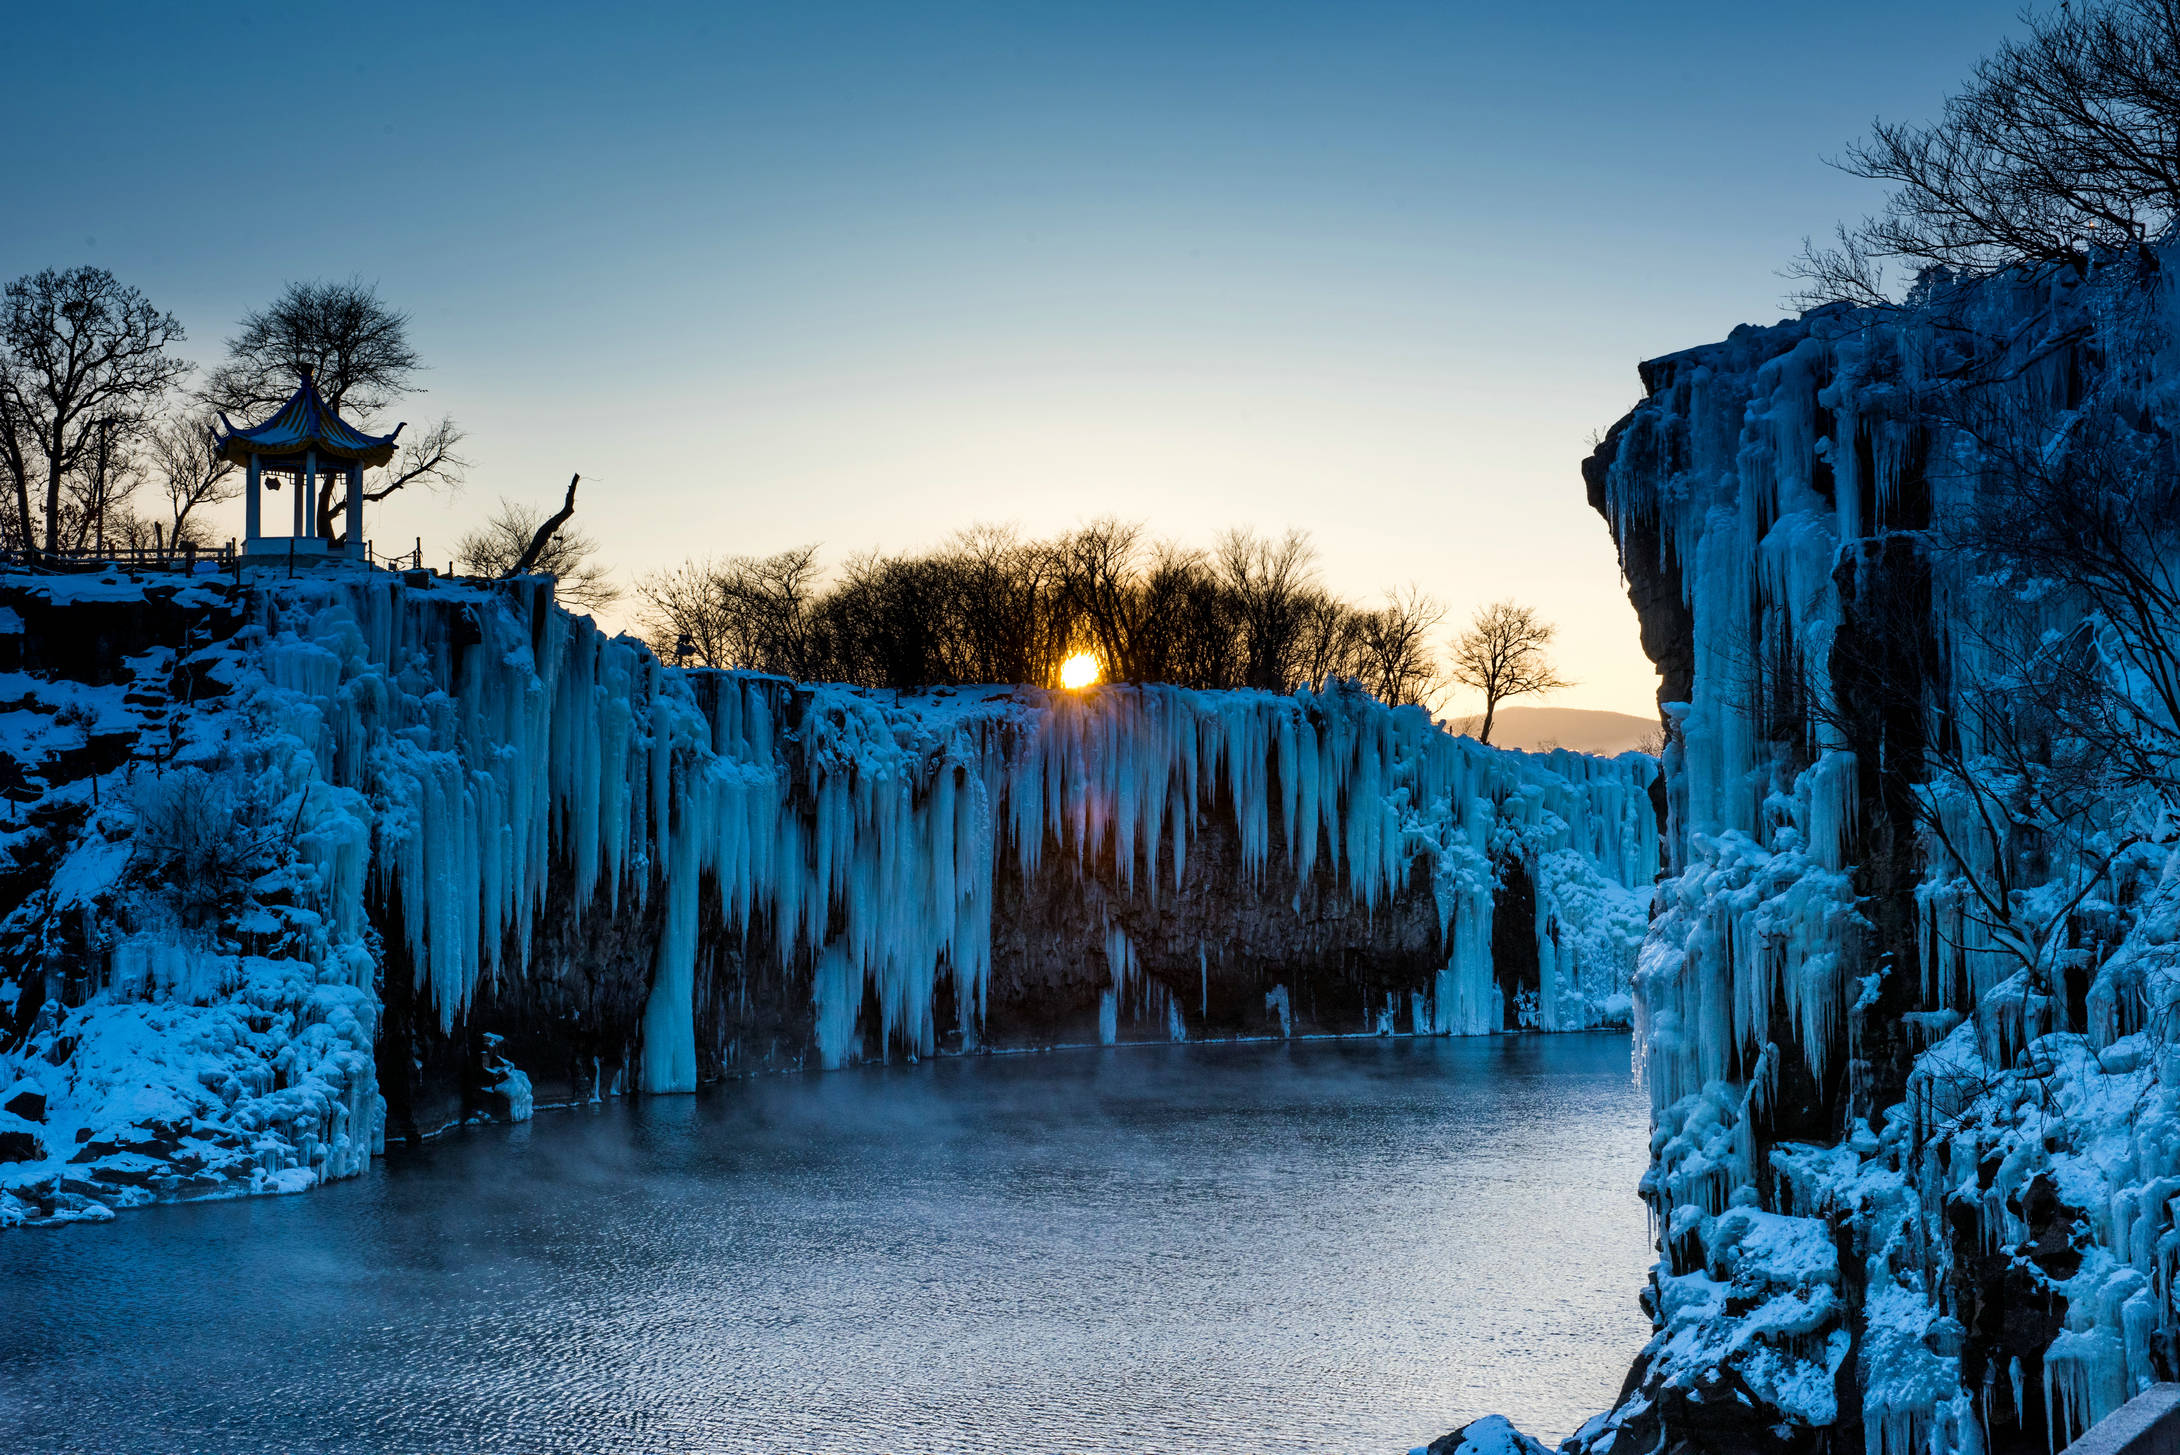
pixel 1079 670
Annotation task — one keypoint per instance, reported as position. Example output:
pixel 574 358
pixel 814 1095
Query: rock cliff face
pixel 1904 1008
pixel 295 866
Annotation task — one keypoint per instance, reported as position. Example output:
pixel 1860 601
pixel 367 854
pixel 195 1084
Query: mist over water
pixel 1325 1246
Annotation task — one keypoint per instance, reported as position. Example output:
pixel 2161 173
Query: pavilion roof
pixel 305 423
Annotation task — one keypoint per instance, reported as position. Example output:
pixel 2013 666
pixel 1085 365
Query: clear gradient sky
pixel 863 274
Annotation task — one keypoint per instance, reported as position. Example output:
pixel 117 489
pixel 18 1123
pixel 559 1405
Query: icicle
pixel 463 756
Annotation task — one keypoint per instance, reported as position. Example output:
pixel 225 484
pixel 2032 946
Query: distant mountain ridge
pixel 1579 729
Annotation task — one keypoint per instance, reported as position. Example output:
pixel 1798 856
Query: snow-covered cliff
pixel 1904 1010
pixel 291 862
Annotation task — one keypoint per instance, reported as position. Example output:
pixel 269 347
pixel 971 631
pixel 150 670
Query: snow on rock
pixel 1491 1435
pixel 1908 1191
pixel 270 838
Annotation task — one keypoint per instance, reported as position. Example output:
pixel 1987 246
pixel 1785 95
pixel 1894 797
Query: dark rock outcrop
pixel 1875 1110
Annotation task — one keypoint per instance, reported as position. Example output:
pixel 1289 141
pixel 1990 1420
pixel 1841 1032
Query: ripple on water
pixel 1346 1246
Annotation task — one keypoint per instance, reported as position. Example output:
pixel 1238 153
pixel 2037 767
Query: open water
pixel 1311 1246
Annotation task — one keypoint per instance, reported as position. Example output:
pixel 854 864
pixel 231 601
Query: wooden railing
pixel 189 559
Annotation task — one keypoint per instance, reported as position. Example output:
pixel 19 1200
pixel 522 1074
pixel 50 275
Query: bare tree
pixel 2064 143
pixel 1502 655
pixel 20 461
pixel 179 457
pixel 1006 607
pixel 1273 587
pixel 884 623
pixel 1187 632
pixel 752 612
pixel 768 600
pixel 541 539
pixel 82 359
pixel 1393 654
pixel 96 495
pixel 2093 509
pixel 1328 643
pixel 357 349
pixel 517 538
pixel 685 617
pixel 1101 565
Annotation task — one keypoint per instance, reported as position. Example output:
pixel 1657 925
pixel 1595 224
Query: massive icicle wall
pixel 355 847
pixel 1904 1197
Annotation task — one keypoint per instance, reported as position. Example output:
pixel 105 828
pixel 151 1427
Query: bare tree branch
pixel 2064 145
pixel 543 536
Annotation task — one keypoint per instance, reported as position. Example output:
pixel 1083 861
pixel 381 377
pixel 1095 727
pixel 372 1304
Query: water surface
pixel 1320 1246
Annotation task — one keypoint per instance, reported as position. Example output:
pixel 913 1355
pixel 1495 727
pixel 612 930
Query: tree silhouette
pixel 1502 655
pixel 83 359
pixel 2059 146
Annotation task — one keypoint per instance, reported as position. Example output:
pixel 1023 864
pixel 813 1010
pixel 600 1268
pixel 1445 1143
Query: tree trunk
pixel 544 533
pixel 23 524
pixel 52 503
pixel 1491 709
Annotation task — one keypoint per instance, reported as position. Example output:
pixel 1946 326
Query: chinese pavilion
pixel 304 440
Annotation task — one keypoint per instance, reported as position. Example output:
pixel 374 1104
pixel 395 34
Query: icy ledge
pixel 271 845
pixel 1908 1196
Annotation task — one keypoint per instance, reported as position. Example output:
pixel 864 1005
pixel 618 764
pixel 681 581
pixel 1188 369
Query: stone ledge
pixel 2148 1424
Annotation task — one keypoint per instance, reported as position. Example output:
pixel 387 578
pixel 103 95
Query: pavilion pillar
pixel 303 484
pixel 355 509
pixel 252 507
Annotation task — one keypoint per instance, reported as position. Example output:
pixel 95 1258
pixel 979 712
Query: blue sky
pixel 863 274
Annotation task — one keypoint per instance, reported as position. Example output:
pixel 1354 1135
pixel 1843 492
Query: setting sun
pixel 1079 670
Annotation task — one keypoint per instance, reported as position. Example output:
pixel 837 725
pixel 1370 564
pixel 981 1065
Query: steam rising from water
pixel 1346 1246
